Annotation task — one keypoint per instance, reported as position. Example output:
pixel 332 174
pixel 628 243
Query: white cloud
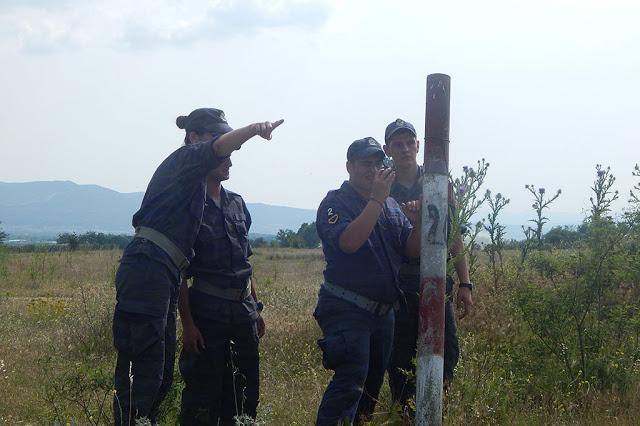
pixel 39 27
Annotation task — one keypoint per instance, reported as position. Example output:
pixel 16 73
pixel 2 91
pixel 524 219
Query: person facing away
pixel 402 145
pixel 220 313
pixel 149 275
pixel 365 235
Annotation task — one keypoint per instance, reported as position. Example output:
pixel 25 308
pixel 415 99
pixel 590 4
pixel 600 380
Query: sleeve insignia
pixel 333 219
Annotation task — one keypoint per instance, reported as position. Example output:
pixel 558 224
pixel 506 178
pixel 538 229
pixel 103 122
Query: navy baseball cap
pixel 397 125
pixel 363 148
pixel 203 120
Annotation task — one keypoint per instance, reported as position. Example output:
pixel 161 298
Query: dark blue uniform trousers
pixel 357 346
pixel 224 380
pixel 146 344
pixel 406 340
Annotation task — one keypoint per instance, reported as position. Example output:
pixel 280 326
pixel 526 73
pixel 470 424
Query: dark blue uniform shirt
pixel 403 194
pixel 174 201
pixel 373 269
pixel 222 253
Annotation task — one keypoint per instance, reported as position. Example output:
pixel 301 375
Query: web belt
pixel 165 244
pixel 377 308
pixel 209 288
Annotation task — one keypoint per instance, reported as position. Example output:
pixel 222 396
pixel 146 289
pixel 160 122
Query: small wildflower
pixel 462 188
pixel 541 190
pixel 465 168
pixel 498 196
pixel 601 172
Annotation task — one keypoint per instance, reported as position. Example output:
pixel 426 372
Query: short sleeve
pixel 332 218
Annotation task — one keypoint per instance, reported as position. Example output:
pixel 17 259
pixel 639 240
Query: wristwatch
pixel 260 306
pixel 466 285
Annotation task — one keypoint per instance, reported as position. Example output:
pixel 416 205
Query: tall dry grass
pixel 56 355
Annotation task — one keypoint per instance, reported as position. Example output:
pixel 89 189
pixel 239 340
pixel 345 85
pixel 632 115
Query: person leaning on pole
pixel 365 235
pixel 220 313
pixel 402 145
pixel 149 276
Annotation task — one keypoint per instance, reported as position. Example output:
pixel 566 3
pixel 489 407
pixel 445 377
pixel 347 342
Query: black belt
pixel 377 308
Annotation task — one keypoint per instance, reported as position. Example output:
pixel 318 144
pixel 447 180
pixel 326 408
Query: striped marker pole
pixel 433 255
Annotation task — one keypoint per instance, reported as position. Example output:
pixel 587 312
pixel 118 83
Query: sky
pixel 543 90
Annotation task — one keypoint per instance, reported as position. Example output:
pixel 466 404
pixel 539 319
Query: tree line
pixel 306 237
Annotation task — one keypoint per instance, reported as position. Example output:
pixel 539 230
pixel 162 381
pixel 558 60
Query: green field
pixel 56 354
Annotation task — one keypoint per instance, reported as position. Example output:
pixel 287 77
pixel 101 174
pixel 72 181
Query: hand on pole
pixel 413 211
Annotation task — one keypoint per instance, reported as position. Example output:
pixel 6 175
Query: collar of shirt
pixel 350 192
pixel 224 199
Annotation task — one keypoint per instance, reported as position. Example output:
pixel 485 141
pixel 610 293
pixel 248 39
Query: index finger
pixel 277 123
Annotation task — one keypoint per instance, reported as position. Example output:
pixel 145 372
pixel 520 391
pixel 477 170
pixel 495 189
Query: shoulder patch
pixel 333 219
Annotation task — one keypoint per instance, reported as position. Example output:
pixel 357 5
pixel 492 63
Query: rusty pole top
pixel 436 124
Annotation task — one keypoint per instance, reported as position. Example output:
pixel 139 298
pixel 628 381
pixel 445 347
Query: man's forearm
pixel 412 246
pixel 233 140
pixel 358 231
pixel 460 264
pixel 183 305
pixel 253 289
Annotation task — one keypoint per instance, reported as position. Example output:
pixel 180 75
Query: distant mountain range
pixel 35 210
pixel 46 209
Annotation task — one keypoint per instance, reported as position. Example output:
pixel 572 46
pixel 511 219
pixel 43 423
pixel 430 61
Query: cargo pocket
pixel 134 333
pixel 333 351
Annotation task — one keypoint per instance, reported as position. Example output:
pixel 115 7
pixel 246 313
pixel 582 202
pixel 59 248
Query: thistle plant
pixel 466 190
pixel 496 234
pixel 534 235
pixel 601 204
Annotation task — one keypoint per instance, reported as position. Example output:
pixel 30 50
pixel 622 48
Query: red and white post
pixel 433 256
